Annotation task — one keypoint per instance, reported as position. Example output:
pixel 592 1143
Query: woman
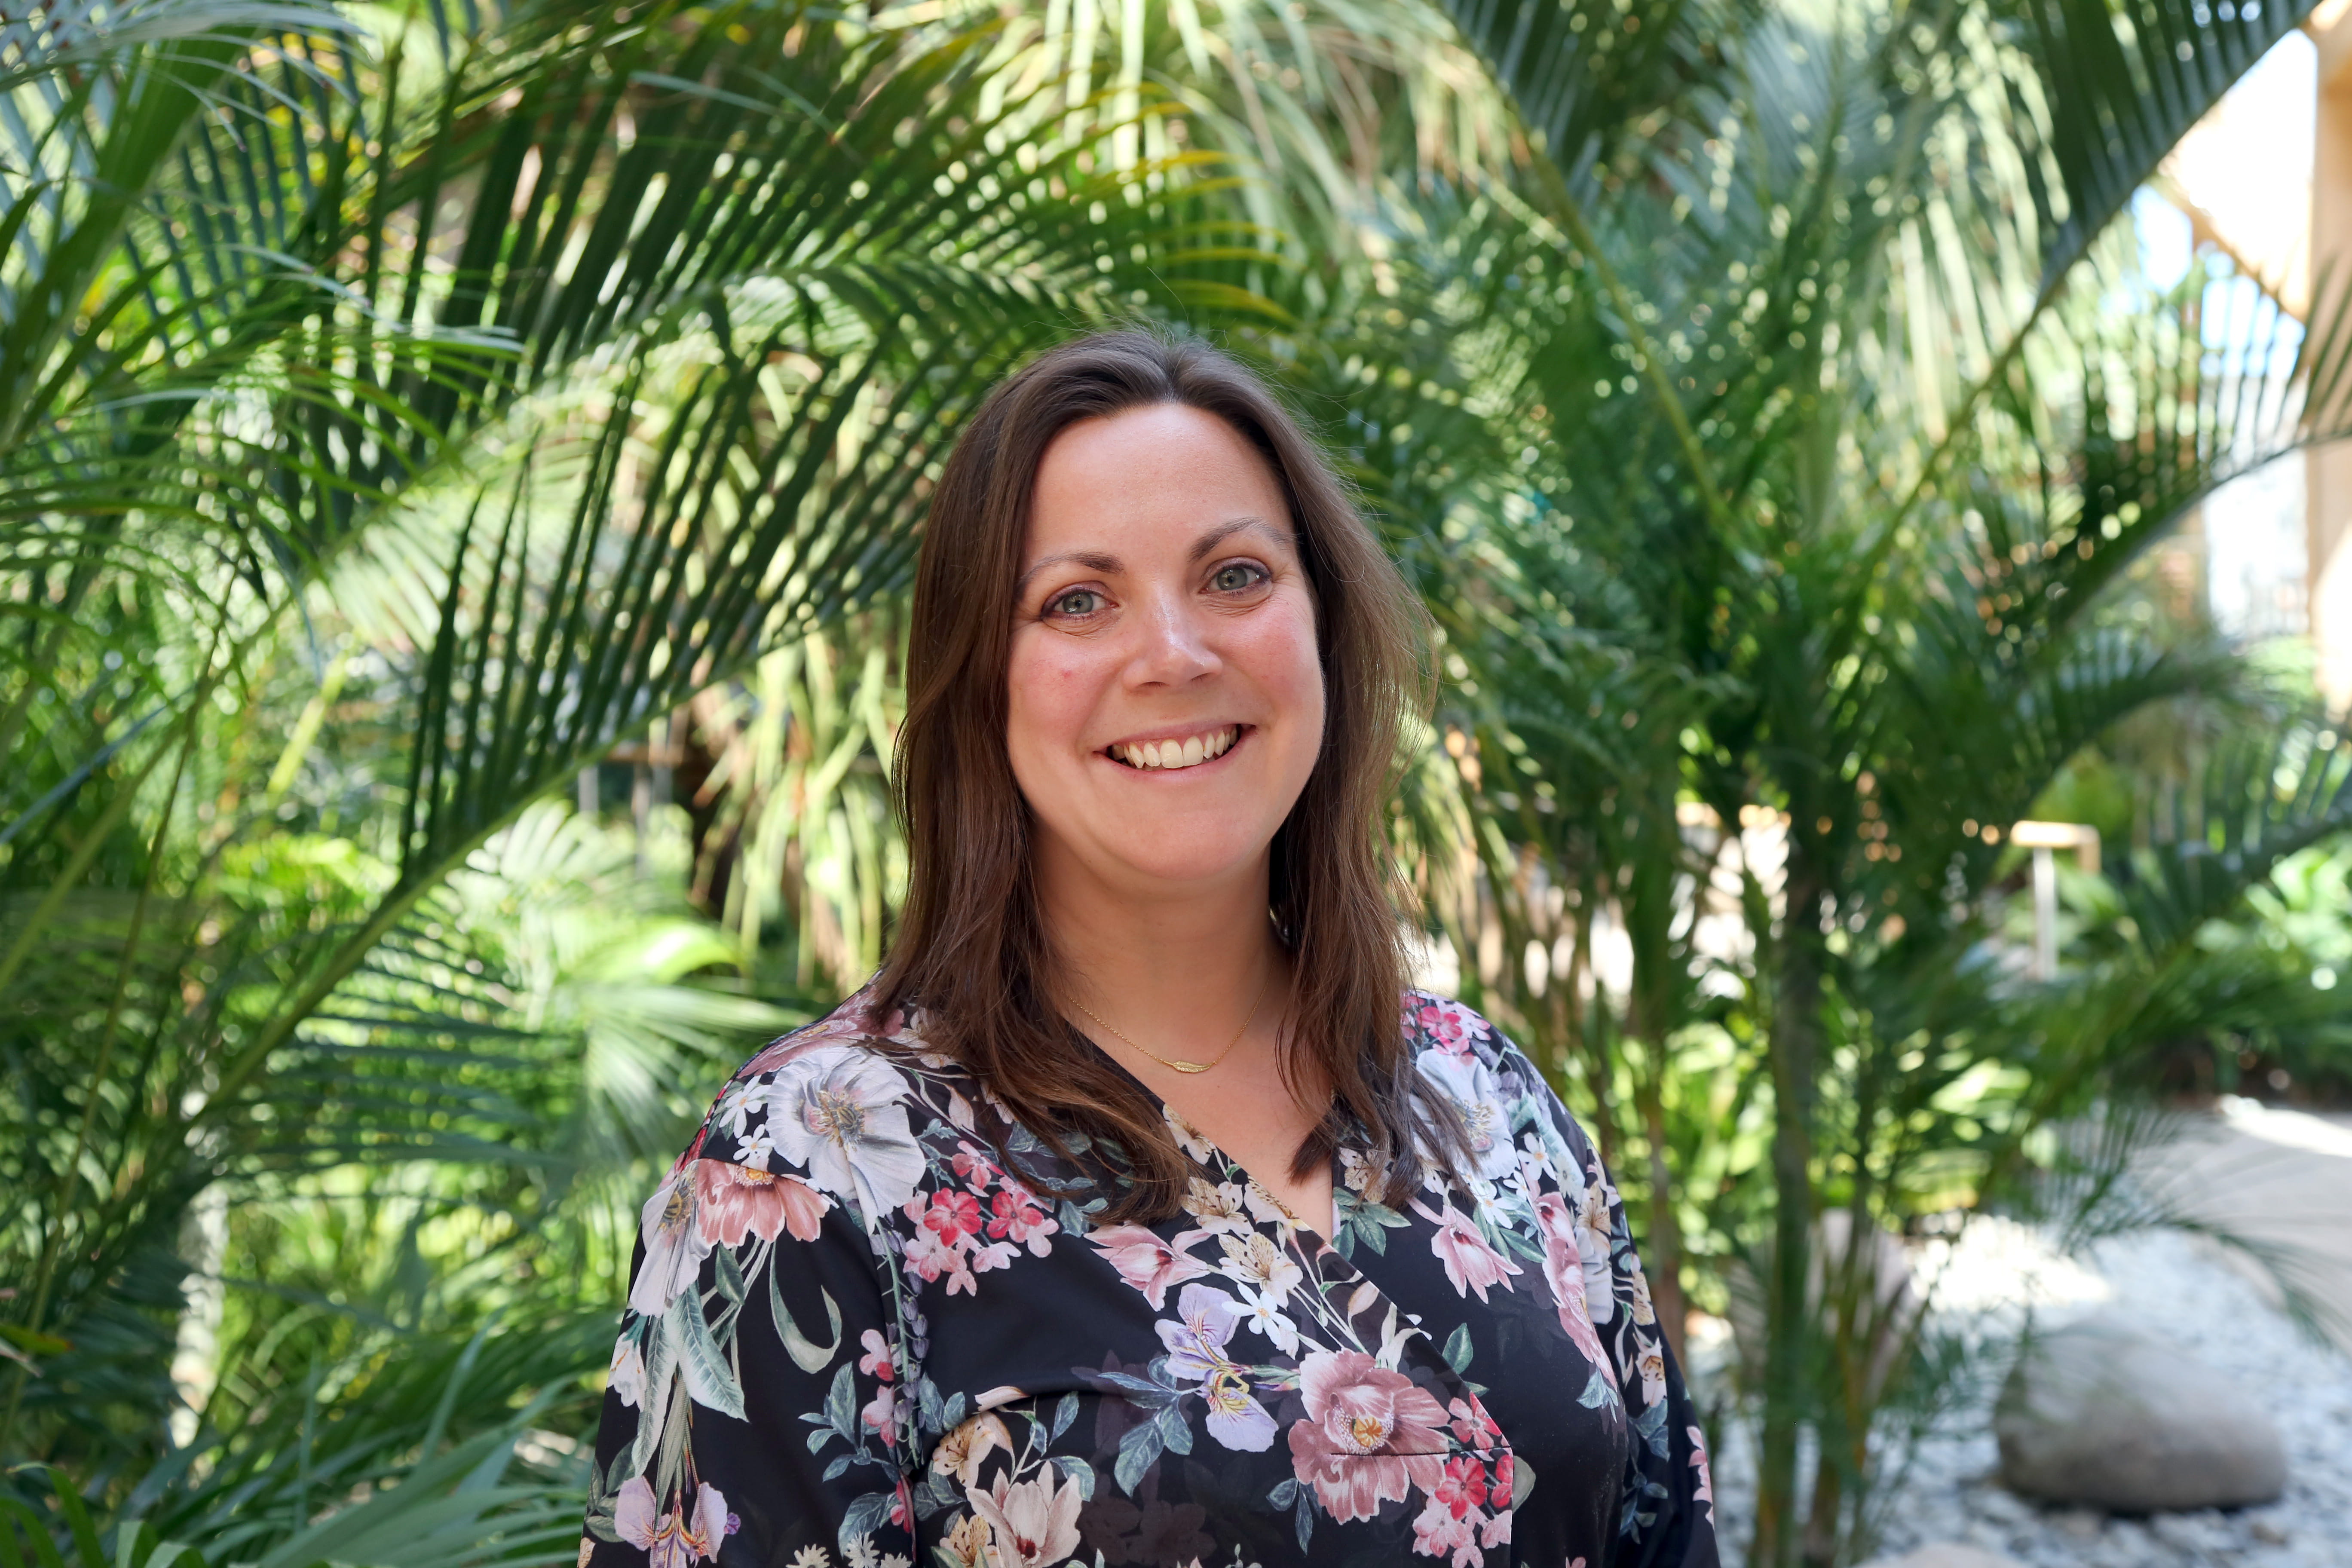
pixel 1126 1216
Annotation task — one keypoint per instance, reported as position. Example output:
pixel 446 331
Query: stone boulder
pixel 1948 1554
pixel 2099 1413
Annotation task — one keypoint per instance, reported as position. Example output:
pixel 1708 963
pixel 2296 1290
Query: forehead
pixel 1156 474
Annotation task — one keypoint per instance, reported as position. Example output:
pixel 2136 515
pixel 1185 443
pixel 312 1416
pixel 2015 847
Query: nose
pixel 1174 646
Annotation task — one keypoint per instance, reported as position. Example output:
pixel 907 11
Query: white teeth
pixel 1188 752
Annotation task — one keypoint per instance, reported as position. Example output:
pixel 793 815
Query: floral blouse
pixel 855 1337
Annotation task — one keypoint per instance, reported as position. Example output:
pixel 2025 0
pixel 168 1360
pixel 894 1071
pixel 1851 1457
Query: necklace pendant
pixel 1192 1067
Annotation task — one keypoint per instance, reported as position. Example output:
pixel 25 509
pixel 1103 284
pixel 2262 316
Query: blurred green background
pixel 460 468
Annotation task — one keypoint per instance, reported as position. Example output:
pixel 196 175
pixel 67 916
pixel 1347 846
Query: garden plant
pixel 457 478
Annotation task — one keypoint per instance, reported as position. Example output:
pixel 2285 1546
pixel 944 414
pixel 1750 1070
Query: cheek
pixel 1052 688
pixel 1288 668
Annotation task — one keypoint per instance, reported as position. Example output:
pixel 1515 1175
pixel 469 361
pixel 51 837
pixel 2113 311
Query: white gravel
pixel 2163 1281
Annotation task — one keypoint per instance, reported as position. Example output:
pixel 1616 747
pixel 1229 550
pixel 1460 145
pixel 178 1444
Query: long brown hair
pixel 972 952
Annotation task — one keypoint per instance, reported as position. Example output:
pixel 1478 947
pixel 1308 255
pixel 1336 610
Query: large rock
pixel 1948 1554
pixel 2100 1413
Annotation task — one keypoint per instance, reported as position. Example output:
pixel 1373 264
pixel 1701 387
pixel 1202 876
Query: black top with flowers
pixel 854 1336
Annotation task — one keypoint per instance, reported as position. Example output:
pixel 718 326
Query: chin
pixel 1186 849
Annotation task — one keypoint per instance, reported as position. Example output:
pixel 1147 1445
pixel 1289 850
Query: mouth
pixel 1178 753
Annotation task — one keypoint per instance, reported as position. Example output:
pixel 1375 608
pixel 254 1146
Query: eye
pixel 1074 603
pixel 1237 576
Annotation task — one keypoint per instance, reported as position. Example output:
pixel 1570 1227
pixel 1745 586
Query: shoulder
pixel 1502 1096
pixel 1439 1031
pixel 854 1091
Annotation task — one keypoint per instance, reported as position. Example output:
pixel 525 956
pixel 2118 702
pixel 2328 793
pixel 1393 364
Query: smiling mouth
pixel 1170 756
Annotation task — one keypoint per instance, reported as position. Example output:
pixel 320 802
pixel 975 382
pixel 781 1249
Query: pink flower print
pixel 1196 1351
pixel 1706 1492
pixel 846 1024
pixel 1146 1261
pixel 970 1160
pixel 930 1257
pixel 1019 1220
pixel 1470 1262
pixel 737 1202
pixel 1446 1027
pixel 1464 1487
pixel 881 1412
pixel 1371 1436
pixel 877 1362
pixel 1438 1533
pixel 1564 1272
pixel 1472 1426
pixel 673 1540
pixel 955 1217
pixel 1034 1523
pixel 675 1248
pixel 993 1254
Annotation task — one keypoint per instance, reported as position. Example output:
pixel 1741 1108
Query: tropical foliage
pixel 459 471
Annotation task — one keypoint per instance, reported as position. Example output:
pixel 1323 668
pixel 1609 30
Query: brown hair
pixel 972 951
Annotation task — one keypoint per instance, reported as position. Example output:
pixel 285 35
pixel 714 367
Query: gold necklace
pixel 1182 1066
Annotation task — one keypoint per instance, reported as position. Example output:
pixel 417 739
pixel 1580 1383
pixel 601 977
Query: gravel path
pixel 2164 1282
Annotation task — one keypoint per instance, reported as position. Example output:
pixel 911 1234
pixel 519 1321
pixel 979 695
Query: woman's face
pixel 1167 694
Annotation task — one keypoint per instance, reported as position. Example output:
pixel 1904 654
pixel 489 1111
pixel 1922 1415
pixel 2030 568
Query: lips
pixel 1177 754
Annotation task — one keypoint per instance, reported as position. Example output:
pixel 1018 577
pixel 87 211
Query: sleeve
pixel 752 1414
pixel 1666 1518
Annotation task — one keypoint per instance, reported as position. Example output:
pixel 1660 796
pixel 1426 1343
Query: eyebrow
pixel 1109 566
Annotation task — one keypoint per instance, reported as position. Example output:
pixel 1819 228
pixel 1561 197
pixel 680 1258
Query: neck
pixel 1146 957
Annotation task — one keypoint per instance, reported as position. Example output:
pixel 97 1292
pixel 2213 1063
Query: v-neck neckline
pixel 1325 1238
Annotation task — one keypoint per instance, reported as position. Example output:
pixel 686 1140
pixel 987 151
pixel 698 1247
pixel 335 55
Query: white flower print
pixel 678 1537
pixel 736 1103
pixel 1593 1246
pixel 1535 1163
pixel 959 1453
pixel 841 1112
pixel 628 1377
pixel 1264 1210
pixel 1221 1209
pixel 967 1544
pixel 755 1148
pixel 1255 1262
pixel 1650 1362
pixel 1188 1138
pixel 1486 1115
pixel 1261 1313
pixel 675 1246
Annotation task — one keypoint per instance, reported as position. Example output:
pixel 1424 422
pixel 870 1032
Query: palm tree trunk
pixel 1665 1241
pixel 1794 1051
